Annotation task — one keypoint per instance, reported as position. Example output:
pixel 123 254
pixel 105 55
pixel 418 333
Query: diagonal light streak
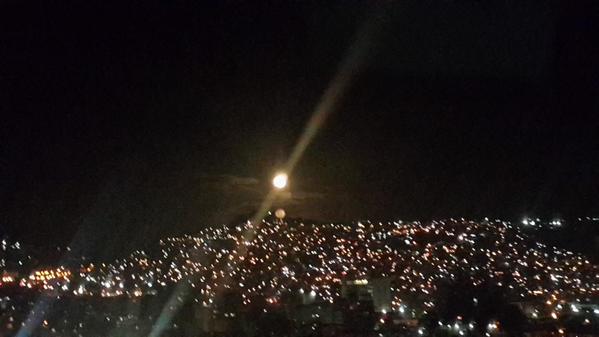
pixel 328 103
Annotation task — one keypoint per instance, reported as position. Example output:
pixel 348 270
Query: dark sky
pixel 135 121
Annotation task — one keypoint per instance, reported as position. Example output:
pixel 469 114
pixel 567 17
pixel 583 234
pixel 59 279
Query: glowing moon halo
pixel 280 180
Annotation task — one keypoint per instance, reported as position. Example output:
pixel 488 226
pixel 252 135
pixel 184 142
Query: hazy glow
pixel 280 213
pixel 280 180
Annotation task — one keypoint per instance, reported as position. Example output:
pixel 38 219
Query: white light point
pixel 280 180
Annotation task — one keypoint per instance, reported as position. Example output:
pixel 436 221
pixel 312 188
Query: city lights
pixel 326 257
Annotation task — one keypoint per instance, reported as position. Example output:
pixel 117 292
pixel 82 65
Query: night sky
pixel 136 121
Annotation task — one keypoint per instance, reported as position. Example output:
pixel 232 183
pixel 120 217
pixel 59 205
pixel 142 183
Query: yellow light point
pixel 280 180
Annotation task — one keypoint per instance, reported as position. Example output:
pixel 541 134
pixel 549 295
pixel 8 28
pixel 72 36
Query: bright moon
pixel 280 180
